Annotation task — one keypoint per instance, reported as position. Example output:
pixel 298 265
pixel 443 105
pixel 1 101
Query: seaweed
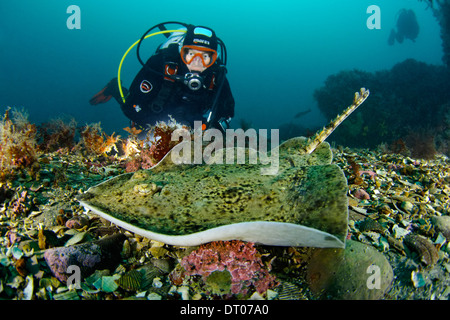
pixel 18 150
pixel 421 144
pixel 418 144
pixel 146 153
pixel 411 96
pixel 355 177
pixel 399 147
pixel 164 142
pixel 96 142
pixel 57 135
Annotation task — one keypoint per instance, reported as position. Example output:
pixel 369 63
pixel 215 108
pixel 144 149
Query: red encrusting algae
pixel 240 259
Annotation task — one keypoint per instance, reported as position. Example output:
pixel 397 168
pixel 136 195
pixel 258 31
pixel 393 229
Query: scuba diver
pixel 185 79
pixel 407 27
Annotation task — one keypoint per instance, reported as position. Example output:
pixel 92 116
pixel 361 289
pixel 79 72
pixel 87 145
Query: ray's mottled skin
pixel 320 137
pixel 168 204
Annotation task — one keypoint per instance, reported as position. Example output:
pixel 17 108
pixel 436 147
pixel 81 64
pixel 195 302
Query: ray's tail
pixel 320 137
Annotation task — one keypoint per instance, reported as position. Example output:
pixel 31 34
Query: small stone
pixel 361 194
pixel 407 206
pixel 77 222
pixel 164 265
pixel 271 295
pixel 154 296
pixel 47 219
pixel 184 292
pixel 442 224
pixel 157 283
pixel 256 296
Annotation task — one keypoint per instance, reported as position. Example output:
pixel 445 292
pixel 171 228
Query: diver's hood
pixel 200 36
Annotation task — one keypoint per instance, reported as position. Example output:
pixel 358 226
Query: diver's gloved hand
pixel 109 91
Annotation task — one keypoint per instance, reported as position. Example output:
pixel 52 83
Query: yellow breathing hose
pixel 129 49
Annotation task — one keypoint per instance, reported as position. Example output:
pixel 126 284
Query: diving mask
pixel 200 56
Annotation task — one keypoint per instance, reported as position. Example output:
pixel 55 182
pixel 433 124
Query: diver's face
pixel 197 60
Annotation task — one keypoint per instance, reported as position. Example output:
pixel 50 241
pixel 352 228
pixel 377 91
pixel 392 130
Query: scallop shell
pixel 289 291
pixel 130 281
pixel 424 247
pixel 68 295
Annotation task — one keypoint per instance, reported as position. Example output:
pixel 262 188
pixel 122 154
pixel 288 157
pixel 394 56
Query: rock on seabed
pixel 346 274
pixel 442 224
pixel 91 256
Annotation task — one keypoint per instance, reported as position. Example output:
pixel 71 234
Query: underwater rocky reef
pixel 408 111
pixel 441 11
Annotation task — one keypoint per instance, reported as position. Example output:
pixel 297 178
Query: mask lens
pixel 203 31
pixel 204 57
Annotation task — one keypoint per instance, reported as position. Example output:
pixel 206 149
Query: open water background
pixel 279 52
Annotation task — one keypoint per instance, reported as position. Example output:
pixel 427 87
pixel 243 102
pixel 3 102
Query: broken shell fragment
pixel 417 279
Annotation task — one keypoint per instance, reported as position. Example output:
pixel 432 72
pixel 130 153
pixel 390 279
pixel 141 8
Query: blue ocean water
pixel 279 52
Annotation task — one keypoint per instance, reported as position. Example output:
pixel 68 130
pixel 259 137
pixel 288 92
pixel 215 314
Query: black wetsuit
pixel 153 97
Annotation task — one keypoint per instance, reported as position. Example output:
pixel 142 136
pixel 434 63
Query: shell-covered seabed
pixel 398 208
pixel 303 204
